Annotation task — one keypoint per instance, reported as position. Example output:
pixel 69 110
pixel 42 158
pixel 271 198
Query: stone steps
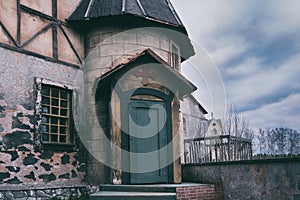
pixel 184 191
pixel 140 188
pixel 135 192
pixel 113 195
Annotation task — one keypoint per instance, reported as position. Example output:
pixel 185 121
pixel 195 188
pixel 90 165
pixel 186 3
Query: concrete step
pixel 115 195
pixel 140 188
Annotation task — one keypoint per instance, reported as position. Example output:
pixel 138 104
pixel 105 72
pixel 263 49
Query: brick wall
pixel 203 192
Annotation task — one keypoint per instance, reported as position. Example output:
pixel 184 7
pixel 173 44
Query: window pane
pixel 54 111
pixel 45 109
pixel 55 102
pixel 63 130
pixel 64 112
pixel 45 128
pixel 63 95
pixel 54 138
pixel 45 137
pixel 54 129
pixel 63 139
pixel 63 122
pixel 45 119
pixel 45 100
pixel 64 104
pixel 54 93
pixel 54 120
pixel 46 91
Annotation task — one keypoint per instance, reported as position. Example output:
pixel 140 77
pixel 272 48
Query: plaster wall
pixel 195 124
pixel 21 162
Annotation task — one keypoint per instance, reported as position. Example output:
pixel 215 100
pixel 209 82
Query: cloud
pixel 229 48
pixel 264 86
pixel 256 46
pixel 248 67
pixel 280 18
pixel 277 114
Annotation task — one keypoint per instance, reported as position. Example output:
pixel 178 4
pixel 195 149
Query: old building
pixel 90 93
pixel 195 124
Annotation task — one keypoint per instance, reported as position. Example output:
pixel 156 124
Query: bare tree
pixel 261 136
pixel 293 142
pixel 236 124
pixel 278 141
pixel 270 138
pixel 280 135
pixel 249 134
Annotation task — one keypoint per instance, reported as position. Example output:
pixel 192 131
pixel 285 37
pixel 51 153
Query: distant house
pixel 195 123
pixel 213 145
pixel 214 127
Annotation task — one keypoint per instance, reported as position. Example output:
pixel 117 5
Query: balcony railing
pixel 222 148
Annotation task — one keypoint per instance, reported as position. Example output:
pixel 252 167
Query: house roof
pixel 183 84
pixel 160 11
pixel 197 102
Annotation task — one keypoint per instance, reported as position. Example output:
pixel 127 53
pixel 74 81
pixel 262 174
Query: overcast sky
pixel 255 45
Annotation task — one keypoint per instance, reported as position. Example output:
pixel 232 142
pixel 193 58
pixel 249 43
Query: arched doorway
pixel 147 133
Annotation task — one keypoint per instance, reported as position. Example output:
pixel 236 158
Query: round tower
pixel 132 84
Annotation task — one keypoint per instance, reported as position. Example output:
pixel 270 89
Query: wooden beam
pixel 70 43
pixel 8 34
pixel 36 34
pixel 18 23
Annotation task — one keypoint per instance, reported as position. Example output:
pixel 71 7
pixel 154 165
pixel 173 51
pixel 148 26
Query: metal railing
pixel 222 148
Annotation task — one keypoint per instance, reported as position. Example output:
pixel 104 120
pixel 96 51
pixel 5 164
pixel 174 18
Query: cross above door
pixel 145 74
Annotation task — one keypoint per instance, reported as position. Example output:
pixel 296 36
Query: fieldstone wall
pixel 20 162
pixel 42 193
pixel 262 179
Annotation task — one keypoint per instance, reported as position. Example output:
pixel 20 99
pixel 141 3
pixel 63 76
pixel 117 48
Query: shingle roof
pixel 156 10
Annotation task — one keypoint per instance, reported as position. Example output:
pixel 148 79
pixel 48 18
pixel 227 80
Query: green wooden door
pixel 147 138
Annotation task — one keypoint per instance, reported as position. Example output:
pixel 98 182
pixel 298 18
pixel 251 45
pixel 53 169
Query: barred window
pixel 56 112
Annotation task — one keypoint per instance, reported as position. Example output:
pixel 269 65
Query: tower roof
pixel 133 13
pixel 160 11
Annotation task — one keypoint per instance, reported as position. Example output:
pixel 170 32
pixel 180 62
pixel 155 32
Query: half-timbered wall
pixel 38 27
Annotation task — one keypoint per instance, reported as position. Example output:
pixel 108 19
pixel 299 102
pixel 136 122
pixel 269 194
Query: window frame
pixel 53 146
pixel 175 56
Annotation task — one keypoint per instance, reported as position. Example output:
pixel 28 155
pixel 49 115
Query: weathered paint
pixel 21 162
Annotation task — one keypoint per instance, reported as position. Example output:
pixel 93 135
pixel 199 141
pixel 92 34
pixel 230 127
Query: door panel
pixel 148 134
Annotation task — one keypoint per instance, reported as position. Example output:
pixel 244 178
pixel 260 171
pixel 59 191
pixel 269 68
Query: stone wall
pixel 107 48
pixel 39 193
pixel 265 179
pixel 21 163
